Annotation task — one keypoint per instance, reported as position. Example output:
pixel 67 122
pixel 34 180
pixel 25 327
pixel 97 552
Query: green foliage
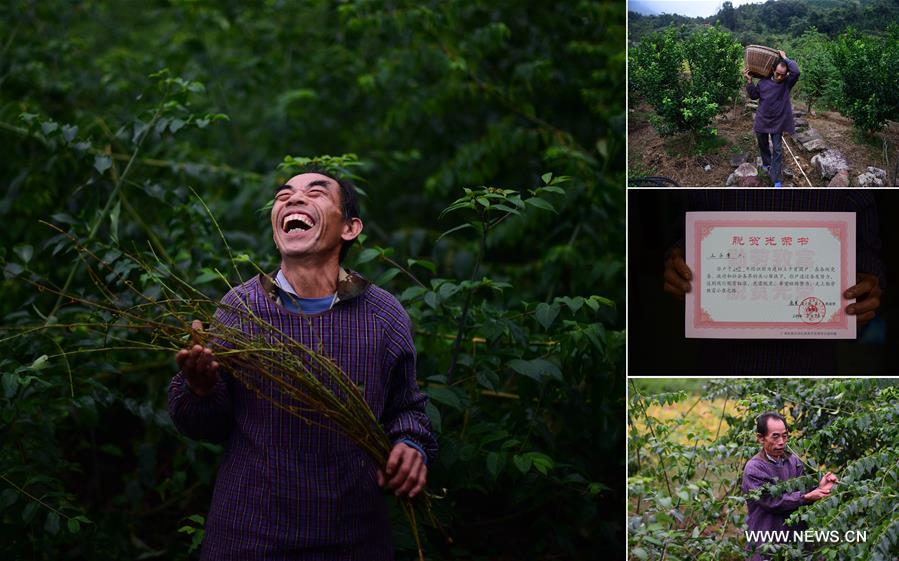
pixel 869 85
pixel 713 57
pixel 819 79
pixel 111 119
pixel 685 480
pixel 686 78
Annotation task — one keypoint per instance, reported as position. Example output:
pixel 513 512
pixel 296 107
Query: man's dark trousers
pixel 776 162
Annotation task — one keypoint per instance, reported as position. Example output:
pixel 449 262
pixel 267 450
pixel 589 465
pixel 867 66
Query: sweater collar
pixel 765 456
pixel 350 284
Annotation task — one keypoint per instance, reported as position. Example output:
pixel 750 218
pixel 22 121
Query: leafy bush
pixel 820 79
pixel 685 478
pixel 869 83
pixel 686 79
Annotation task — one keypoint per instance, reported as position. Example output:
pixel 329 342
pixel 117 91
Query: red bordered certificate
pixel 770 275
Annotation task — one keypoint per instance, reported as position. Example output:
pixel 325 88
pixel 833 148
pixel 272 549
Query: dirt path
pixel 681 159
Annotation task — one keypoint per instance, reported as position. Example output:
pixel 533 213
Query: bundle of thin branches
pixel 276 367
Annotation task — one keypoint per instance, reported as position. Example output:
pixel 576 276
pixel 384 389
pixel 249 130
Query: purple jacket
pixel 289 490
pixel 775 113
pixel 769 513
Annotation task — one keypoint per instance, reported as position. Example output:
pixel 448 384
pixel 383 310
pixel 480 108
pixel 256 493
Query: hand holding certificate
pixel 770 275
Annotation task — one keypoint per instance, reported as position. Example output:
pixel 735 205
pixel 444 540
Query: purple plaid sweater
pixel 287 489
pixel 769 513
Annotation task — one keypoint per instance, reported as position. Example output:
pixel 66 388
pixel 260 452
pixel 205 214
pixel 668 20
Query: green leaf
pixel 495 463
pixel 49 127
pixel 29 511
pixel 546 178
pixel 487 379
pixel 69 132
pixel 639 553
pixel 206 276
pixel 422 263
pixel 114 221
pixel 574 304
pixel 434 416
pixel 453 230
pixel 536 369
pixel 448 289
pixel 176 124
pixel 551 189
pixel 506 208
pixel 446 396
pixel 542 462
pixel 12 270
pixel 387 276
pixel 39 363
pixel 102 163
pixel 24 251
pixel 8 497
pixel 540 203
pixel 367 255
pixel 546 314
pixel 10 385
pixel 63 217
pixel 412 293
pixel 522 462
pixel 52 523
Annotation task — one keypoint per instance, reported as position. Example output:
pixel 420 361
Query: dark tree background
pixel 112 114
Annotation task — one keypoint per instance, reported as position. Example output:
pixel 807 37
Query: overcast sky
pixel 691 8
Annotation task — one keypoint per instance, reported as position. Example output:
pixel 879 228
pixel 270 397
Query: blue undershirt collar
pixel 296 303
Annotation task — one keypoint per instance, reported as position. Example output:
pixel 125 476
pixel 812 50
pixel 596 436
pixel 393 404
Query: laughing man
pixel 287 489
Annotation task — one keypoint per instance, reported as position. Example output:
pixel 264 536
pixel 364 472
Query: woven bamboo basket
pixel 760 60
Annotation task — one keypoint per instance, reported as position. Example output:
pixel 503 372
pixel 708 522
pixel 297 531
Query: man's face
pixel 775 441
pixel 307 218
pixel 780 72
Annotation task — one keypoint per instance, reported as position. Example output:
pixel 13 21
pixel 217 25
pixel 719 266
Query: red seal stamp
pixel 812 310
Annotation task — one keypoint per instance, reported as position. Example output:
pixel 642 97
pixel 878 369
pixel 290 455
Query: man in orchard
pixel 775 113
pixel 773 464
pixel 287 489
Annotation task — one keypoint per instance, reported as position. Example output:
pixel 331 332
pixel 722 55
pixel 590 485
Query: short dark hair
pixel 777 63
pixel 349 199
pixel 761 423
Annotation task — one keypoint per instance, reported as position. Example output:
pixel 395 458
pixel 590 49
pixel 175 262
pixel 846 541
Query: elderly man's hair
pixel 777 63
pixel 761 423
pixel 349 199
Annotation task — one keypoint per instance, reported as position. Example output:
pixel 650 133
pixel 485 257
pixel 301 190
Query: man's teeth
pixel 294 222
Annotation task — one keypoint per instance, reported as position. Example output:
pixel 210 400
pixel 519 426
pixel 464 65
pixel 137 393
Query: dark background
pixel 656 342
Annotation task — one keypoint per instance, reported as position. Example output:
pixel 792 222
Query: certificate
pixel 770 275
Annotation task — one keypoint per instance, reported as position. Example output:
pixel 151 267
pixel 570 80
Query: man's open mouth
pixel 297 222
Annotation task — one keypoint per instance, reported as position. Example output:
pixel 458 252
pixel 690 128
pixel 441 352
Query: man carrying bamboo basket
pixel 775 112
pixel 289 485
